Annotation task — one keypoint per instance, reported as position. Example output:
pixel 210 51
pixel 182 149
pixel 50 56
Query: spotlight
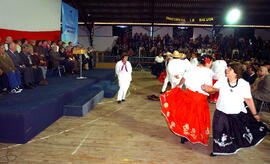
pixel 233 16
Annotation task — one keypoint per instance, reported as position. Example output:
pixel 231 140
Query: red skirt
pixel 213 97
pixel 187 114
pixel 162 77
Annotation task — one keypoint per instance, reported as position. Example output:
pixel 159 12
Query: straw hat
pixel 176 54
pixel 167 54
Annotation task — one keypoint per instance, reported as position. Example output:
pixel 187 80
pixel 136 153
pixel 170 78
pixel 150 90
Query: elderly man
pixel 262 92
pixel 9 76
pixel 8 41
pixel 27 72
pixel 57 60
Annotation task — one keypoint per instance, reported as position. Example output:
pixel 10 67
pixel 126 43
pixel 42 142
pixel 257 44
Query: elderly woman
pixel 233 127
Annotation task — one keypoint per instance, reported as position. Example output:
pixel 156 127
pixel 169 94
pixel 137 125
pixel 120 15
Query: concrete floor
pixel 132 132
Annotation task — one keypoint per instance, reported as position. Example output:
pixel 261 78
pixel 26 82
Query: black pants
pixel 4 82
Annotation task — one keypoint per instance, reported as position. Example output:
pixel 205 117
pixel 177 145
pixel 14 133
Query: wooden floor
pixel 131 132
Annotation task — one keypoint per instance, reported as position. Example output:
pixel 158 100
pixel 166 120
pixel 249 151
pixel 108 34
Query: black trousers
pixel 4 82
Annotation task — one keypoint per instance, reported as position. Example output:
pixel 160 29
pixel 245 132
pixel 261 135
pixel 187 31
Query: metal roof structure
pixel 254 12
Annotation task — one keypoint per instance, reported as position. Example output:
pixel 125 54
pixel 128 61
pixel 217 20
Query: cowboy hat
pixel 176 54
pixel 167 54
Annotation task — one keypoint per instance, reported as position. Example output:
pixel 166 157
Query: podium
pixel 80 52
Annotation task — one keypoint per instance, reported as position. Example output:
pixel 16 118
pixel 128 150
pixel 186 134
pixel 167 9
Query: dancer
pixel 167 60
pixel 218 67
pixel 123 70
pixel 233 127
pixel 187 113
pixel 177 67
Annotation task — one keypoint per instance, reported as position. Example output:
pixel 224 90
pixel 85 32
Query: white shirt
pixel 219 67
pixel 18 48
pixel 196 77
pixel 121 71
pixel 6 46
pixel 194 61
pixel 231 100
pixel 159 59
pixel 177 67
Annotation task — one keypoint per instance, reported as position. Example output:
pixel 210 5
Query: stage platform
pixel 24 115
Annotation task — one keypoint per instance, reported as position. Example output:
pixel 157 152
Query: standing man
pixel 123 70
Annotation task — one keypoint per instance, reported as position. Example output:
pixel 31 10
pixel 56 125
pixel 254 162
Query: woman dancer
pixel 187 113
pixel 233 127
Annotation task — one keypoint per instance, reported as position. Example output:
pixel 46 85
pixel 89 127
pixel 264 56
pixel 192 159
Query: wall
pixel 140 29
pixel 263 33
pixel 162 31
pixel 31 19
pixel 103 31
pixel 103 43
pixel 102 39
pixel 227 31
pixel 83 36
pixel 202 31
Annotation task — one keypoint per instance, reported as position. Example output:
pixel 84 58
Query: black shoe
pixel 183 140
pixel 123 100
pixel 118 102
pixel 28 87
pixel 212 155
pixel 33 85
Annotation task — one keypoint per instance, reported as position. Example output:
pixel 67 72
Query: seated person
pixel 39 65
pixel 57 60
pixel 29 62
pixel 27 72
pixel 262 93
pixel 8 71
pixel 251 75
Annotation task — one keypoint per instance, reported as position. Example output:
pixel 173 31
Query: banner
pixel 69 24
pixel 210 19
pixel 36 20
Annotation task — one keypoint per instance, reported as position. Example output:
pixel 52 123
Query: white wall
pixel 202 31
pixel 83 36
pixel 20 15
pixel 103 43
pixel 140 29
pixel 162 31
pixel 102 39
pixel 263 33
pixel 103 31
pixel 227 31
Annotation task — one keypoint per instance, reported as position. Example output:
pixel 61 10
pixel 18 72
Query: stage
pixel 24 115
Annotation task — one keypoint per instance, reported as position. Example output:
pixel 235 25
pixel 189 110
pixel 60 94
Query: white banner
pixel 30 15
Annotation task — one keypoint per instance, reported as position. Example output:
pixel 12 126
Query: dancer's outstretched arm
pixel 209 89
